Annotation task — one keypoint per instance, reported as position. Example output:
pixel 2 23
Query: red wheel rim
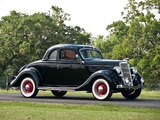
pixel 131 93
pixel 27 87
pixel 101 89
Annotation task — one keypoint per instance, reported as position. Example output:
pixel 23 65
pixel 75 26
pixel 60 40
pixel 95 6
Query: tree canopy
pixel 25 38
pixel 138 38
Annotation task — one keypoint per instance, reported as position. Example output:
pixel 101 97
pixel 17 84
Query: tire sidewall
pixel 95 93
pixel 23 91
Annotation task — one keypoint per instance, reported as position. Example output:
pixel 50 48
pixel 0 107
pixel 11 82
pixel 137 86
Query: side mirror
pixel 76 56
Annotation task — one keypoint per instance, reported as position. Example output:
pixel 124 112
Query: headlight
pixel 134 69
pixel 142 80
pixel 118 69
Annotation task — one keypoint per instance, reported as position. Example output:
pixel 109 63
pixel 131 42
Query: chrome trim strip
pixel 128 87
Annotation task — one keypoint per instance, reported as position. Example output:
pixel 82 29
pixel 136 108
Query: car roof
pixel 73 46
pixel 70 45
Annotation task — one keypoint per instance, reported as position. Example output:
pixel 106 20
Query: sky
pixel 92 15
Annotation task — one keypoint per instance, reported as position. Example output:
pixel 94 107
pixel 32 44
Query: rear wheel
pixel 58 93
pixel 131 94
pixel 101 89
pixel 28 87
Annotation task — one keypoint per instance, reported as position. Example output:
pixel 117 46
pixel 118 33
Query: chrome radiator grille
pixel 125 71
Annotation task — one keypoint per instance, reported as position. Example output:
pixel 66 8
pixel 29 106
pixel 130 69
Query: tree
pixel 25 38
pixel 106 44
pixel 140 39
pixel 144 32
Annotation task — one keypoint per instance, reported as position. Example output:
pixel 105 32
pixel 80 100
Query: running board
pixel 58 88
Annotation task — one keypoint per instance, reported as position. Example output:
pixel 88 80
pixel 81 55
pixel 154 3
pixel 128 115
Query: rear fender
pixel 28 72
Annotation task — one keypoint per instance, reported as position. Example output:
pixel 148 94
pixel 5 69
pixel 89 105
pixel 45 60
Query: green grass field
pixel 44 111
pixel 41 111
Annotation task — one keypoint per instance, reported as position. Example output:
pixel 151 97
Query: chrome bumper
pixel 128 87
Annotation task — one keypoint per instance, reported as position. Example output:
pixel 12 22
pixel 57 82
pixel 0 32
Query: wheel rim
pixel 131 93
pixel 101 89
pixel 28 87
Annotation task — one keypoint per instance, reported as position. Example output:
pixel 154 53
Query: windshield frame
pixel 92 49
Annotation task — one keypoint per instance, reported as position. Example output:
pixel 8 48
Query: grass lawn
pixel 41 111
pixel 45 111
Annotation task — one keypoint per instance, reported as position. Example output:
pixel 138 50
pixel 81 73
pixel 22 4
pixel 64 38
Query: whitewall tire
pixel 28 87
pixel 101 89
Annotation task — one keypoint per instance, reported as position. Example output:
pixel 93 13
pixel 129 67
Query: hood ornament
pixel 126 59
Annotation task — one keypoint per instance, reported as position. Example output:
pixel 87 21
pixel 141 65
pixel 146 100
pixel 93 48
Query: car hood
pixel 103 62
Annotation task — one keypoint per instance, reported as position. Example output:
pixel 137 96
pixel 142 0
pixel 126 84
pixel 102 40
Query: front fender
pixel 108 75
pixel 27 72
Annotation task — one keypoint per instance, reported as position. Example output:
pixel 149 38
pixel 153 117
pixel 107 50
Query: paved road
pixel 148 103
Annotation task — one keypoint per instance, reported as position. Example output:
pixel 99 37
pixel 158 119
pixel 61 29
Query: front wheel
pixel 28 87
pixel 101 89
pixel 58 93
pixel 132 94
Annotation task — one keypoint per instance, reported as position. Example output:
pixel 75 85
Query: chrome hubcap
pixel 27 87
pixel 100 88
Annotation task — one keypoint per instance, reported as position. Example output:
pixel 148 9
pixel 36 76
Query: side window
pixel 68 54
pixel 53 55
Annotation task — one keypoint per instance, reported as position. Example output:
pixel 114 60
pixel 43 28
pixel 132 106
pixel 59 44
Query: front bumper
pixel 128 87
pixel 135 84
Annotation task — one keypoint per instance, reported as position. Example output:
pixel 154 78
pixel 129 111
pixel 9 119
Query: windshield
pixel 91 54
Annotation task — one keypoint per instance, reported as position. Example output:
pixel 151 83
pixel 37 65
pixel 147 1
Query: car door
pixel 79 72
pixel 70 71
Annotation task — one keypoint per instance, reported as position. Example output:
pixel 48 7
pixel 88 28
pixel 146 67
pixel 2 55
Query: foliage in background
pixel 136 37
pixel 25 38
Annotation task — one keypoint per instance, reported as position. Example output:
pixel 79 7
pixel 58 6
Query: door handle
pixel 58 66
pixel 63 66
pixel 82 62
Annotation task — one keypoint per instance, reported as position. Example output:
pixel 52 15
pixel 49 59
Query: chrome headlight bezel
pixel 142 80
pixel 118 69
pixel 134 69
